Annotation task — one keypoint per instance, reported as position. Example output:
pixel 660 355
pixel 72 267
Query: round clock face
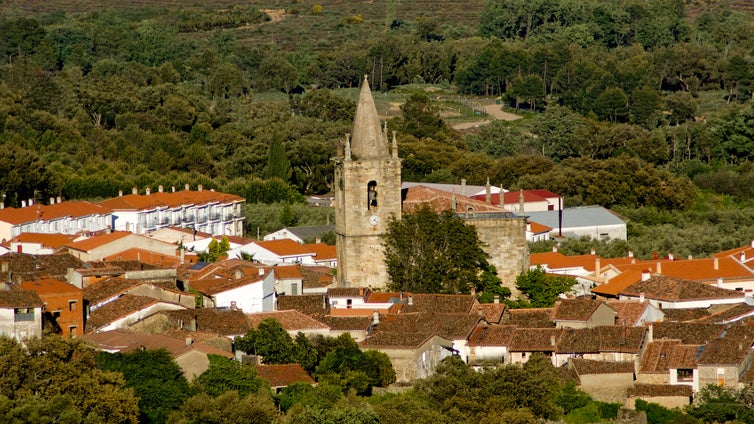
pixel 374 220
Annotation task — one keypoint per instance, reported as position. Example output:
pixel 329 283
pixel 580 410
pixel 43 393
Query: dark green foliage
pixel 270 341
pixel 657 414
pixel 278 165
pixel 154 376
pixel 215 250
pixel 302 395
pixel 58 409
pixel 24 176
pixel 225 375
pixel 352 369
pixel 323 104
pixel 465 395
pixel 229 407
pixel 430 253
pixel 722 404
pixel 541 290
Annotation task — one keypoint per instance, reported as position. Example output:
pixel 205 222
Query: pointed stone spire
pixel 488 192
pixel 368 140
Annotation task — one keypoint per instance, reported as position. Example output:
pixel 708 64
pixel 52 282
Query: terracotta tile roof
pixel 168 199
pixel 288 272
pixel 584 340
pixel 290 320
pixel 628 311
pixel 493 312
pixel 441 201
pixel 617 284
pixel 51 241
pixel 19 299
pixel 146 256
pixel 108 288
pixel 213 286
pixel 659 390
pixel 511 197
pixel 537 228
pixel 729 314
pixel 665 288
pixel 322 251
pixel 575 309
pixel 686 332
pixel 51 286
pixel 283 375
pixel 703 269
pixel 616 338
pixel 441 304
pixel 683 356
pixel 385 297
pixel 219 321
pixel 75 209
pixel 453 327
pixel 119 308
pixel 725 351
pixel 396 340
pixel 99 240
pixel 684 315
pixel 557 260
pixel 317 276
pixel 127 341
pixel 286 247
pixel 657 356
pixel 492 335
pixel 33 267
pixel 535 339
pixel 309 304
pixel 531 318
pixel 359 323
pixel 347 292
pixel 587 366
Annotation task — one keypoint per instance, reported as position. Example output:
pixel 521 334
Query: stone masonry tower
pixel 367 192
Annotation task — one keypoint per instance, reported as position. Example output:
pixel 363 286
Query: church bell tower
pixel 367 193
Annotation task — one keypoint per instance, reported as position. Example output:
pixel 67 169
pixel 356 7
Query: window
pixel 685 375
pixel 72 305
pixel 349 303
pixel 294 288
pixel 372 195
pixel 72 330
pixel 23 314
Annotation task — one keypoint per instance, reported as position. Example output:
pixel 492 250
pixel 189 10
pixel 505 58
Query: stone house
pixel 489 344
pixel 528 341
pixel 20 314
pixel 672 293
pixel 605 381
pixel 281 376
pixel 101 246
pixel 292 321
pixel 665 395
pixel 125 311
pixel 726 360
pixel 583 313
pixel 413 355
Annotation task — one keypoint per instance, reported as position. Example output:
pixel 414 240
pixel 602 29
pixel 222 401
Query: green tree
pixel 23 176
pixel 225 375
pixel 228 407
pixel 421 119
pixel 215 250
pixel 270 341
pixel 426 252
pixel 542 290
pixel 154 376
pixel 278 165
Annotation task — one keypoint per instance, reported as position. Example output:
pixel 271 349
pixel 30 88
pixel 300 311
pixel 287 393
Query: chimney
pixel 645 275
pixel 199 187
pixel 528 226
pixel 135 190
pixel 720 282
pixel 593 251
pixel 160 188
pixel 59 199
pixel 641 297
pixel 375 318
pixel 553 340
pixel 715 264
pixel 597 267
pixel 52 200
pixel 479 311
pixel 187 187
pixel 752 244
pixel 463 186
pixel 487 192
pixel 742 258
pixel 23 203
pixel 659 267
pixel 497 300
pixel 630 253
pixel 239 274
pixel 318 240
pixel 555 248
pixel 189 341
pixel 670 256
pixel 690 257
pixel 31 202
pixel 472 290
pixel 650 333
pixel 410 300
pixel 261 271
pixel 120 193
pixel 148 191
pixel 172 188
pixel 233 305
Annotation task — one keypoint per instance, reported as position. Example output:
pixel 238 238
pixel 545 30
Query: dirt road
pixel 494 111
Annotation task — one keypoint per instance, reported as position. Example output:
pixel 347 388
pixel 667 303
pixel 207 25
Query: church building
pixel 367 193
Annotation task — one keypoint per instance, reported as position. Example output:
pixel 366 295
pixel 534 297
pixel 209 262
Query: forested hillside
pixel 642 106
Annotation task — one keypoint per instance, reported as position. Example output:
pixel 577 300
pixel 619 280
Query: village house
pixel 63 305
pixel 39 243
pixel 125 311
pixel 20 314
pixel 20 267
pixel 283 375
pixel 292 321
pixel 668 396
pixel 583 313
pixel 227 323
pixel 274 252
pixel 605 381
pixel 726 360
pixel 250 289
pixel 668 361
pixel 201 210
pixel 489 344
pixel 413 355
pixel 671 293
pixel 79 217
pixel 109 244
pixel 302 235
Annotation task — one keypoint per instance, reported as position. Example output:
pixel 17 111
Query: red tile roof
pixel 168 199
pixel 628 311
pixel 322 251
pixel 290 320
pixel 126 341
pixel 618 283
pixel 52 241
pixel 704 269
pixel 99 240
pixel 535 339
pixel 687 332
pixel 531 318
pixel 659 390
pixel 286 272
pixel 309 304
pixel 19 299
pixel 227 322
pixel 576 309
pixel 283 375
pixel 492 335
pixel 119 308
pixel 396 340
pixel 286 247
pixel 51 286
pixel 493 312
pixel 511 197
pixel 213 286
pixel 441 201
pixel 587 366
pixel 666 288
pixel 75 209
pixel 146 256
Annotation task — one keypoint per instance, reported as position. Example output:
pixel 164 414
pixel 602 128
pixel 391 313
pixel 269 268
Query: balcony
pixel 188 218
